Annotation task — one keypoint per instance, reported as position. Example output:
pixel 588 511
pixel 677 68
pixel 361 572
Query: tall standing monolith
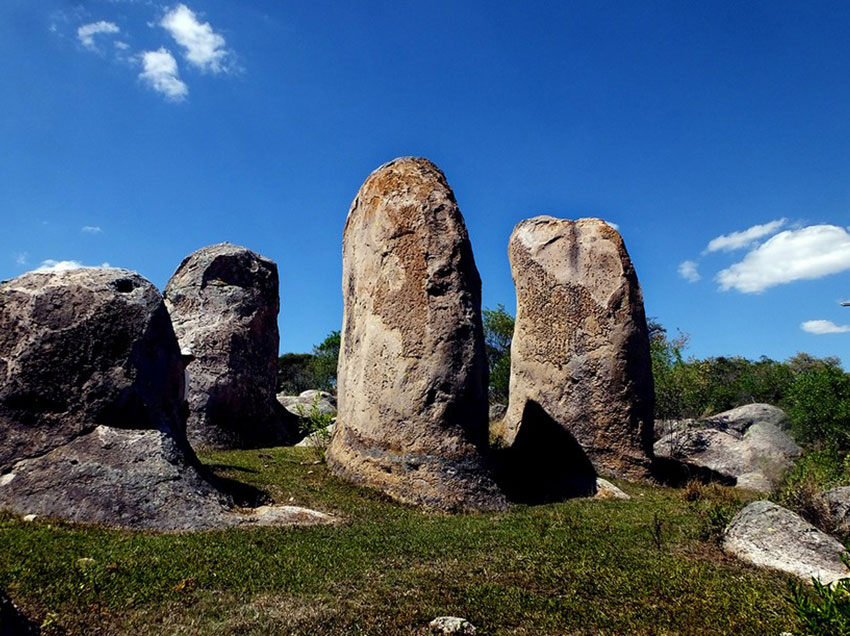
pixel 580 360
pixel 412 377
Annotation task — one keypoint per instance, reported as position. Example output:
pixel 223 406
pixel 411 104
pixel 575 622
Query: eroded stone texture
pixel 580 352
pixel 412 381
pixel 224 301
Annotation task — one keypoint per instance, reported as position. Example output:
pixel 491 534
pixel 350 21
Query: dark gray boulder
pixel 92 409
pixel 224 301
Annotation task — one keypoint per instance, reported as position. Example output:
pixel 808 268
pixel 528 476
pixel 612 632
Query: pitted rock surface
pixel 224 301
pixel 412 380
pixel 580 352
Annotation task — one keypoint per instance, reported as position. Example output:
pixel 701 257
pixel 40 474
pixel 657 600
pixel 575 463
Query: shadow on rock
pixel 545 464
pixel 676 473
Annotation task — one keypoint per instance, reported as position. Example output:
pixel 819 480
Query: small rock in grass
pixel 452 625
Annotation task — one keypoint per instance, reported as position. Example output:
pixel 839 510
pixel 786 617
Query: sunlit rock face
pixel 412 380
pixel 580 354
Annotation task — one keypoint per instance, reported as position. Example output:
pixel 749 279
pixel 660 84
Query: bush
pixel 818 404
pixel 316 426
pixel 297 372
pixel 824 611
pixel 803 486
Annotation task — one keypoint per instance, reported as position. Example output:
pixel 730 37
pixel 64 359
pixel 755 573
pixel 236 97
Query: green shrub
pixel 803 486
pixel 825 610
pixel 818 404
pixel 316 426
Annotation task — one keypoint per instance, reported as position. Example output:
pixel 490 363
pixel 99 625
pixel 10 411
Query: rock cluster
pixel 224 301
pixel 747 447
pixel 580 353
pixel 412 380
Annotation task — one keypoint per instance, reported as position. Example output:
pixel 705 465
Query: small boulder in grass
pixel 452 625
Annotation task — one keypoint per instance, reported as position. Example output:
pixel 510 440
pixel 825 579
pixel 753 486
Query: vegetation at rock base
pixel 824 610
pixel 577 567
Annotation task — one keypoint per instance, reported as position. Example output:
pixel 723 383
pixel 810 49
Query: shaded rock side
pixel 768 535
pixel 224 301
pixel 412 376
pixel 12 620
pixel 580 351
pixel 737 446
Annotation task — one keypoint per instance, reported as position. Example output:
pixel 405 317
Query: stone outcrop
pixel 224 301
pixel 838 502
pixel 580 352
pixel 92 412
pixel 746 447
pixel 768 535
pixel 412 380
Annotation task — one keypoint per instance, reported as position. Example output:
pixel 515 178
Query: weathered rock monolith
pixel 223 301
pixel 412 380
pixel 92 411
pixel 91 403
pixel 580 353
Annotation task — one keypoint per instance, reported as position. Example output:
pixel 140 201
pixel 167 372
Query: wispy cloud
pixel 688 270
pixel 159 71
pixel 51 265
pixel 744 238
pixel 86 33
pixel 91 229
pixel 22 259
pixel 821 327
pixel 203 47
pixel 804 254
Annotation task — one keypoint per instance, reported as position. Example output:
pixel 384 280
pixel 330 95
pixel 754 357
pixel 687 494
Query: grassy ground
pixel 646 566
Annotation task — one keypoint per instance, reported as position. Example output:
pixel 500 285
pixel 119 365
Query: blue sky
pixel 135 132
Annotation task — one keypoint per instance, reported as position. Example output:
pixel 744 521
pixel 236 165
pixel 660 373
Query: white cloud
pixel 804 254
pixel 821 327
pixel 91 229
pixel 21 258
pixel 202 46
pixel 688 271
pixel 51 265
pixel 58 266
pixel 745 238
pixel 120 45
pixel 87 32
pixel 161 74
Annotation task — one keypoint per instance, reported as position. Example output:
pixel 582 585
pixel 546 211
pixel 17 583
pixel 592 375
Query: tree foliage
pixel 297 372
pixel 498 334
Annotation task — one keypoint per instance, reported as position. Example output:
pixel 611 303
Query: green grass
pixel 645 566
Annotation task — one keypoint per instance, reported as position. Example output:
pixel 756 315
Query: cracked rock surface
pixel 412 382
